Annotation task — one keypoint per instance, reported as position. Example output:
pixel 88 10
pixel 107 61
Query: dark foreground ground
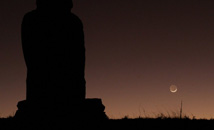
pixel 122 124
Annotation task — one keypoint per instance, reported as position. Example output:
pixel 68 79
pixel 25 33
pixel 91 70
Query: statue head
pixel 54 4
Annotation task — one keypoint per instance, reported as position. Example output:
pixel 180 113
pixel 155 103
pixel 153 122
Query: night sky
pixel 135 50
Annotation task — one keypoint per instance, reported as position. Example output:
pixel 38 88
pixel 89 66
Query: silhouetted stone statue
pixel 54 52
pixel 53 46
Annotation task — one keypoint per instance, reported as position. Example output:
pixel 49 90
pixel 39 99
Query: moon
pixel 173 88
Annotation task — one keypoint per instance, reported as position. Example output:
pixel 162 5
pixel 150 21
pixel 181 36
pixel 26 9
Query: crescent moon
pixel 173 91
pixel 173 88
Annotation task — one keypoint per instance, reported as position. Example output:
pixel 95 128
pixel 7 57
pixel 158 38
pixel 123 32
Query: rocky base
pixel 89 109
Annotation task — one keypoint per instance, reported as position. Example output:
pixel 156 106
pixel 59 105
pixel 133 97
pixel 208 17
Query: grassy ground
pixel 164 124
pixel 119 124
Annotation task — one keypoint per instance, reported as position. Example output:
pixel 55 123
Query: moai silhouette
pixel 53 46
pixel 54 52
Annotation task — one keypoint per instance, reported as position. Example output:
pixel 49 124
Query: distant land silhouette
pixel 54 52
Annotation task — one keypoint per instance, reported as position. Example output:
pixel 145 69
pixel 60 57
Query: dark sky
pixel 135 50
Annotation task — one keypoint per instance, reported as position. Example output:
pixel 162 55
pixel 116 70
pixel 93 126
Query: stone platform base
pixel 89 109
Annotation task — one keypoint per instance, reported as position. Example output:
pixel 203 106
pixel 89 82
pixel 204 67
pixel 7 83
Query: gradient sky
pixel 135 50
